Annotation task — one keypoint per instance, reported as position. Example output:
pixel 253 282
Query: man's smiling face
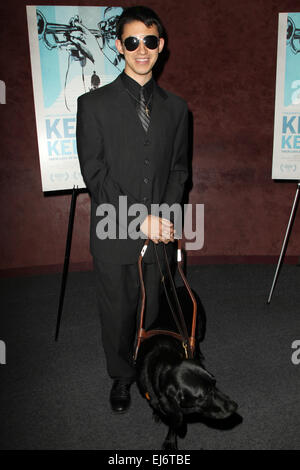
pixel 140 62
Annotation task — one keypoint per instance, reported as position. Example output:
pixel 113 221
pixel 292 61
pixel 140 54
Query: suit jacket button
pixel 146 180
pixel 146 161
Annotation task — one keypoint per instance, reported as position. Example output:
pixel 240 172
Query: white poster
pixel 72 51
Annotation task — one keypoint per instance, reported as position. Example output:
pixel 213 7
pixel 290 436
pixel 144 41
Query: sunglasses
pixel 132 43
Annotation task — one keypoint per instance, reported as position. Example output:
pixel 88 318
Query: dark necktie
pixel 143 111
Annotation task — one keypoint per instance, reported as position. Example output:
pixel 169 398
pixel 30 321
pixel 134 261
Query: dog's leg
pixel 170 442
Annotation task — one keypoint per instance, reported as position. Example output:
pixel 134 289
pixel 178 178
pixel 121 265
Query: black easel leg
pixel 67 259
pixel 285 242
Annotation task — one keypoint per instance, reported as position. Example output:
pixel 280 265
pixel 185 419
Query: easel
pixel 75 192
pixel 285 241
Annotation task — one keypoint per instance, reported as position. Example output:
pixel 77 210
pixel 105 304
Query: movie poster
pixel 72 52
pixel 286 149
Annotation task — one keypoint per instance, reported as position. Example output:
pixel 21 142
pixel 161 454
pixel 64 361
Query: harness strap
pixel 192 341
pixel 178 317
pixel 187 342
pixel 181 316
pixel 177 322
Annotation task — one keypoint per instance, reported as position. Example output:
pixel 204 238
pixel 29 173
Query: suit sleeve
pixel 91 154
pixel 179 167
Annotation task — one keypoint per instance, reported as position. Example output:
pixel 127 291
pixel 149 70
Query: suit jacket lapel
pixel 159 110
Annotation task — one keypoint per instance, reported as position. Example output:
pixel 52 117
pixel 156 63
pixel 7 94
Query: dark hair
pixel 138 13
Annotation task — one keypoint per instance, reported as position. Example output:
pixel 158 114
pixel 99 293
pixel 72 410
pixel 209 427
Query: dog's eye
pixel 201 399
pixel 187 401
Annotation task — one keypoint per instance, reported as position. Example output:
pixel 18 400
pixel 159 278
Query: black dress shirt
pixel 133 88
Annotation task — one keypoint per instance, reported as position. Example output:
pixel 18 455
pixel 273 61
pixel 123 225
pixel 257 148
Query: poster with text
pixel 286 147
pixel 72 51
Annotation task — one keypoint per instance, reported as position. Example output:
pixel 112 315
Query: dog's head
pixel 189 388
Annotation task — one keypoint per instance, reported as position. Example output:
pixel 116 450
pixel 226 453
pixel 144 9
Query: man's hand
pixel 158 229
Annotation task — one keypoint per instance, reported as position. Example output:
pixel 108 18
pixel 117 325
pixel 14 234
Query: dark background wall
pixel 223 62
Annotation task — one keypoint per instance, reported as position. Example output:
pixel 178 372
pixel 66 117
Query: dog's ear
pixel 170 406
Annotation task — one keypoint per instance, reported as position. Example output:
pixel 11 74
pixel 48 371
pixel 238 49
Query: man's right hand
pixel 158 229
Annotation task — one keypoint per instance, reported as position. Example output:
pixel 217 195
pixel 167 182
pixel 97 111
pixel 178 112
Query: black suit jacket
pixel 117 158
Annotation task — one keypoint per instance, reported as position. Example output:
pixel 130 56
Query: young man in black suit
pixel 134 146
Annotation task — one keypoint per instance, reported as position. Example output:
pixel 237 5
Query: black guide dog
pixel 176 386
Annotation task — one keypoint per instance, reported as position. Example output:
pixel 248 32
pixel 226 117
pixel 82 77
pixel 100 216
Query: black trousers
pixel 118 293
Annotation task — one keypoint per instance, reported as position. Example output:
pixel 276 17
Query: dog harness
pixel 188 342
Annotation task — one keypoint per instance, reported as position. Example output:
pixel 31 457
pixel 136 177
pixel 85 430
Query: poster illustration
pixel 72 51
pixel 286 146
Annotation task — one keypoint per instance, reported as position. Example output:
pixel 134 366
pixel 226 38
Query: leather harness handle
pixel 142 333
pixel 193 329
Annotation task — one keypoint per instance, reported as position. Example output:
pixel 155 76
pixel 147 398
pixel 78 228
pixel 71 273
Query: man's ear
pixel 161 45
pixel 119 46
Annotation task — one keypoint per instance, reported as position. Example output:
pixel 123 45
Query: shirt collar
pixel 134 87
